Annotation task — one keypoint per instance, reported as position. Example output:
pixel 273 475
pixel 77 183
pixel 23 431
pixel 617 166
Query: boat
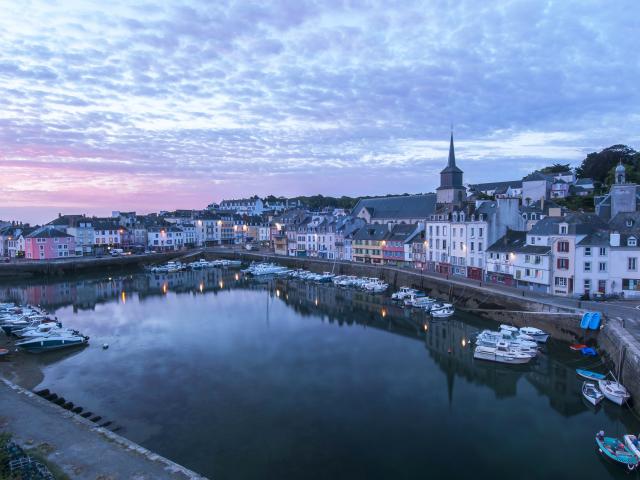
pixel 590 375
pixel 441 310
pixel 591 393
pixel 589 352
pixel 535 333
pixel 577 347
pixel 594 321
pixel 487 338
pixel 614 391
pixel 615 450
pixel 515 336
pixel 44 329
pixel 53 341
pixel 501 353
pixel 403 293
pixel 633 444
pixel 3 352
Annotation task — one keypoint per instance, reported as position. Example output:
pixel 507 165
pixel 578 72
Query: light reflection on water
pixel 274 379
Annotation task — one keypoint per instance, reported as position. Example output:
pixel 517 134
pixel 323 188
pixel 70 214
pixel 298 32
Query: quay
pixel 77 446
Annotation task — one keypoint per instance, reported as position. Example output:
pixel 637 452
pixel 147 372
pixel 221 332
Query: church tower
pixel 451 190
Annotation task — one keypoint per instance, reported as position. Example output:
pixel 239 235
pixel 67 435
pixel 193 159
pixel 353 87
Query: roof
pixel 67 220
pixel 577 223
pixel 451 163
pixel 402 232
pixel 371 232
pixel 584 182
pixel 537 176
pixel 595 239
pixel 402 207
pixel 625 222
pixel 483 187
pixel 516 242
pixel 48 232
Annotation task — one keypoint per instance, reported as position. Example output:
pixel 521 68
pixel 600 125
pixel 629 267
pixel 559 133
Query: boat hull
pixel 47 346
pixel 616 451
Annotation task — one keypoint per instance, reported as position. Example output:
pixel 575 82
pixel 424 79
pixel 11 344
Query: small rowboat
pixel 578 346
pixel 590 375
pixel 3 352
pixel 615 450
pixel 591 393
pixel 589 352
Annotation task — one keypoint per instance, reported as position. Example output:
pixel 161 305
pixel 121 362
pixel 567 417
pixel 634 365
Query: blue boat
pixel 586 318
pixel 589 375
pixel 614 449
pixel 589 352
pixel 594 321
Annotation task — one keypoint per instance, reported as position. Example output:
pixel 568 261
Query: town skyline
pixel 177 105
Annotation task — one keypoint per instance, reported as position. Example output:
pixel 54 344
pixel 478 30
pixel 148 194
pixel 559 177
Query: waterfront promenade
pixel 77 446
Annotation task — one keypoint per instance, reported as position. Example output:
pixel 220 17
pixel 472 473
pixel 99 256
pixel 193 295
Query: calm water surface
pixel 244 380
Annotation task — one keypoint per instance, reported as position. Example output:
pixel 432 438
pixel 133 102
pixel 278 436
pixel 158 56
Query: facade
pixel 536 186
pixel 48 243
pixel 368 242
pixel 244 206
pixel 393 246
pixel 395 210
pixel 163 239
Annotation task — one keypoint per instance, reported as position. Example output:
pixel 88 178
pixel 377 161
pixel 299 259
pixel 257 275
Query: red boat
pixel 578 346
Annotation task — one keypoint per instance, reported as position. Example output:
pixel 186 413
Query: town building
pixel 48 243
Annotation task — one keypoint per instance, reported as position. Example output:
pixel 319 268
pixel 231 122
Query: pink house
pixel 47 243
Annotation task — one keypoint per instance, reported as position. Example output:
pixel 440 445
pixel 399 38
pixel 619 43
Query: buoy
pixel 105 346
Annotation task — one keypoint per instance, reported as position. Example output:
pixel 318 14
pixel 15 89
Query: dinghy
pixel 589 352
pixel 577 347
pixel 591 393
pixel 615 450
pixel 614 391
pixel 632 443
pixel 589 375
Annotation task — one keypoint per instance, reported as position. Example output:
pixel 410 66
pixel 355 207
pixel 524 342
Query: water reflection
pixel 311 381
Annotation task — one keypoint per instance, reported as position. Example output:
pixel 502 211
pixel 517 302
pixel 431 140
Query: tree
pixel 556 168
pixel 598 165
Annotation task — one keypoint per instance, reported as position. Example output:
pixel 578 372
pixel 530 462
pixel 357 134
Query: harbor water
pixel 237 378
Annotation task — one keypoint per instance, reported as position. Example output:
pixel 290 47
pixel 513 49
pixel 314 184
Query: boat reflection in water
pixel 234 377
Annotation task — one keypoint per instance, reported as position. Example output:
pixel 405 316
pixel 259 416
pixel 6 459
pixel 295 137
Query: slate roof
pixel 537 176
pixel 514 241
pixel 407 206
pixel 595 239
pixel 577 223
pixel 48 232
pixel 371 232
pixel 584 182
pixel 66 220
pixel 626 222
pixel 502 186
pixel 402 232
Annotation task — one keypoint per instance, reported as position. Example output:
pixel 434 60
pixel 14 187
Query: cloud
pixel 282 97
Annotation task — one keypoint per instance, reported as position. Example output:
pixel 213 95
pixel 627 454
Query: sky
pixel 161 105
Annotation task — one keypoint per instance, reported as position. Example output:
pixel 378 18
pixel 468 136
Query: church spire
pixel 452 154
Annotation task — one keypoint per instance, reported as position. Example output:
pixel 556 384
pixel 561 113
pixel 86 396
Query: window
pixel 563 229
pixel 527 258
pixel 630 284
pixel 479 232
pixel 479 246
pixel 602 286
pixel 444 244
pixel 587 251
pixel 527 272
pixel 602 266
pixel 472 247
pixel 632 242
pixel 632 263
pixel 538 260
pixel 603 251
pixel 587 266
pixel 587 285
pixel 563 247
pixel 454 245
pixel 533 240
pixel 563 264
pixel 561 282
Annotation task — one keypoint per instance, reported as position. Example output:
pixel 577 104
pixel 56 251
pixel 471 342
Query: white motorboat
pixel 512 333
pixel 418 300
pixel 260 269
pixel 591 393
pixel 403 293
pixel 441 310
pixel 535 333
pixel 44 329
pixel 375 285
pixel 614 391
pixel 487 338
pixel 52 341
pixel 501 353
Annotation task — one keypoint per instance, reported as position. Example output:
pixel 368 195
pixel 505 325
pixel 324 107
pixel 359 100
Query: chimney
pixel 542 204
pixel 614 239
pixel 59 215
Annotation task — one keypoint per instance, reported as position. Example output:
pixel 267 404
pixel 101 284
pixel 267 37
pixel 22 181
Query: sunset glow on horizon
pixel 180 104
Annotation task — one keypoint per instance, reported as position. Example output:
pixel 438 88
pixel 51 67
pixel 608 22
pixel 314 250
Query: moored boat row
pixel 35 330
